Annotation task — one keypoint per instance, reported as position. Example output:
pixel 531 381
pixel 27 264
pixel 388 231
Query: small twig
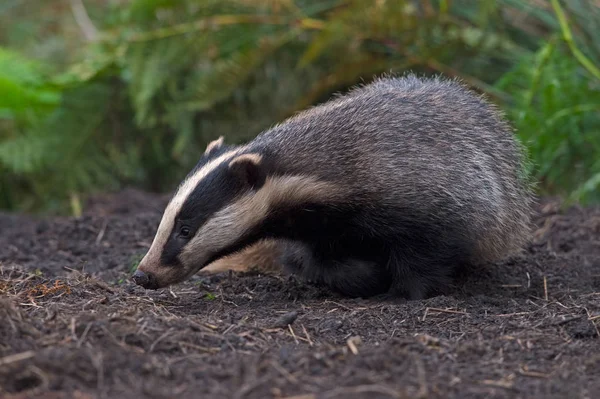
pixel 427 310
pixel 567 320
pixel 250 386
pixel 339 304
pixel 591 319
pixel 204 326
pixel 83 20
pixel 361 389
pixel 307 396
pixel 545 289
pixel 229 329
pixel 506 382
pixel 72 270
pixel 120 343
pixel 153 345
pixel 100 235
pixel 102 284
pixel 72 328
pixel 84 335
pixel 17 357
pixel 423 391
pixel 512 314
pixel 535 374
pixel 200 348
pixel 352 343
pixel 293 334
pixel 286 374
pixel 98 362
pixel 307 336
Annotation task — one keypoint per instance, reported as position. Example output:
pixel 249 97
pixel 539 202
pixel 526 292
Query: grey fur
pixel 430 176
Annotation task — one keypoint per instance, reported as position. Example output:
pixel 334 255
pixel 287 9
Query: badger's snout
pixel 145 280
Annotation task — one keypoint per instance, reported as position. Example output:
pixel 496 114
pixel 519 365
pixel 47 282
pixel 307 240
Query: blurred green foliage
pixel 96 94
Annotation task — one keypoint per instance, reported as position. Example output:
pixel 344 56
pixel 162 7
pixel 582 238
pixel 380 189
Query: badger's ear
pixel 213 145
pixel 249 168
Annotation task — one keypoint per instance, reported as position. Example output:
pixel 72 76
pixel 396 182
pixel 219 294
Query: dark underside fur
pixel 408 258
pixel 414 260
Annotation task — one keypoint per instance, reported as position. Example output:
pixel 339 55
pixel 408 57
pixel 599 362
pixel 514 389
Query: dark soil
pixel 73 325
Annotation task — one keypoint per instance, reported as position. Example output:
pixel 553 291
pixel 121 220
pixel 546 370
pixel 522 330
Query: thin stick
pixel 165 335
pixel 352 342
pixel 545 289
pixel 83 20
pixel 286 374
pixel 102 231
pixel 200 348
pixel 308 336
pixel 427 310
pixel 362 389
pixel 591 319
pixel 535 374
pixel 17 357
pixel 293 334
pixel 447 311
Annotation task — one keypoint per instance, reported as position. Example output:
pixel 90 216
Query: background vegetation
pixel 95 94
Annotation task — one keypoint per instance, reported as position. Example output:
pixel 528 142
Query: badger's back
pixel 429 147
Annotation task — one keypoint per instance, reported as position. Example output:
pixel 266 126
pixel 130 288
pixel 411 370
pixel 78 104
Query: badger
pixel 388 189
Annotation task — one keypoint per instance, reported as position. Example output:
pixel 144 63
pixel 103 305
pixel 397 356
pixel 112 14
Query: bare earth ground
pixel 72 325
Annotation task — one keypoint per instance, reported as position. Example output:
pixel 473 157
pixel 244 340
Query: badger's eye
pixel 184 232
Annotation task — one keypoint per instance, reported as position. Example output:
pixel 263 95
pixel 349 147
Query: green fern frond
pixel 24 86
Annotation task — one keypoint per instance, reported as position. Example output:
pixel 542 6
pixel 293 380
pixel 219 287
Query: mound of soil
pixel 74 326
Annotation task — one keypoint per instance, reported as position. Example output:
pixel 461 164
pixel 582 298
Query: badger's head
pixel 219 208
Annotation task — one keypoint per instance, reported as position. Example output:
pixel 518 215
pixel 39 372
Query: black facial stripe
pixel 213 192
pixel 170 253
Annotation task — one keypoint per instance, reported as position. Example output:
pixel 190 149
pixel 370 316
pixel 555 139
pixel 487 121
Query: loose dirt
pixel 74 326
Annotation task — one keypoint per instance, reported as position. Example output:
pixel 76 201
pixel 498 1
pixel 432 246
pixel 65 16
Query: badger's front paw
pixel 296 258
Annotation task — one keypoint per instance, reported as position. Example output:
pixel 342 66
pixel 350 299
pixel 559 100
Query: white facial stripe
pixel 231 223
pixel 168 220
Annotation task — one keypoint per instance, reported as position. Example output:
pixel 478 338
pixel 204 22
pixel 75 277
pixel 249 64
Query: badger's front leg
pixel 349 276
pixel 421 275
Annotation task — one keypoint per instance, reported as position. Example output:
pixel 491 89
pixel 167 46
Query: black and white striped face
pixel 220 204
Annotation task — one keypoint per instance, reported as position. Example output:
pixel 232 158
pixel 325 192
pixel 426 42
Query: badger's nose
pixel 145 280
